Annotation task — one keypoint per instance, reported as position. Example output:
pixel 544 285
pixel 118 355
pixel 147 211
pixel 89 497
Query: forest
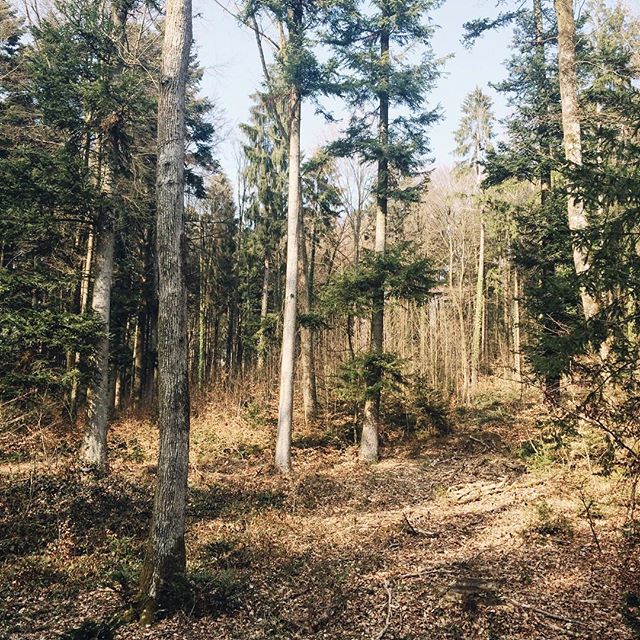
pixel 349 390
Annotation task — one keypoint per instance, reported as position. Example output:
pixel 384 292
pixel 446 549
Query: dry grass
pixel 445 538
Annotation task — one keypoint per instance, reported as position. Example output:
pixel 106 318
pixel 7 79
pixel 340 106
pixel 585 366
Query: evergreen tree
pixel 608 185
pixel 533 149
pixel 572 138
pixel 473 138
pixel 47 198
pixel 475 131
pixel 387 92
pixel 265 174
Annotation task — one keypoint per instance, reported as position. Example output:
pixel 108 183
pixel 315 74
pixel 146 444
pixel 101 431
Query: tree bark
pixel 84 303
pixel 165 557
pixel 86 274
pixel 150 357
pixel 99 398
pixel 138 358
pixel 572 136
pixel 369 441
pixel 94 445
pixel 264 310
pixel 287 357
pixel 517 354
pixel 307 335
pixel 477 319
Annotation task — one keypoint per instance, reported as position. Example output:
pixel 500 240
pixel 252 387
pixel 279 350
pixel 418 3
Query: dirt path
pixel 455 538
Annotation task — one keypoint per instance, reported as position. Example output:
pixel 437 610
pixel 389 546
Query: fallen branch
pixel 484 444
pixel 568 632
pixel 388 618
pixel 549 614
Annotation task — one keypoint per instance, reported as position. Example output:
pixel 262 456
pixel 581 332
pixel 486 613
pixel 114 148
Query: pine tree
pixel 473 138
pixel 475 131
pixel 388 127
pixel 265 174
pixel 532 151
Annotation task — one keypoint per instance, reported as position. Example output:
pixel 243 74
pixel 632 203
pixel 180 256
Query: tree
pixel 68 98
pixel 165 558
pixel 287 356
pixel 607 186
pixel 473 139
pixel 212 273
pixel 298 76
pixel 266 178
pixel 94 445
pixel 381 80
pixel 533 150
pixel 572 137
pixel 475 131
pixel 320 207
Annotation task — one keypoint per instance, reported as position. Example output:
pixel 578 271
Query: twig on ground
pixel 388 618
pixel 484 444
pixel 555 627
pixel 544 612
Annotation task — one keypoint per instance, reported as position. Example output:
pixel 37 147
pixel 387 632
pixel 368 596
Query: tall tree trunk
pixel 138 358
pixel 551 381
pixel 94 445
pixel 371 418
pixel 85 283
pixel 307 334
pixel 86 273
pixel 476 341
pixel 572 136
pixel 264 310
pixel 464 356
pixel 287 356
pixel 85 280
pixel 202 317
pixel 517 355
pixel 99 400
pixel 148 389
pixel 165 556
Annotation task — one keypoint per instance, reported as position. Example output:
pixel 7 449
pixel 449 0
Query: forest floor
pixel 494 532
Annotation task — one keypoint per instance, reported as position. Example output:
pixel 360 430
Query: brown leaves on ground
pixel 444 538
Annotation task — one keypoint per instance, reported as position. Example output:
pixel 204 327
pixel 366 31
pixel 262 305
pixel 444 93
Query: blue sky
pixel 229 55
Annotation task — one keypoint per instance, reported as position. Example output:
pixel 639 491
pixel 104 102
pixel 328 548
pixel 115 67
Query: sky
pixel 228 53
